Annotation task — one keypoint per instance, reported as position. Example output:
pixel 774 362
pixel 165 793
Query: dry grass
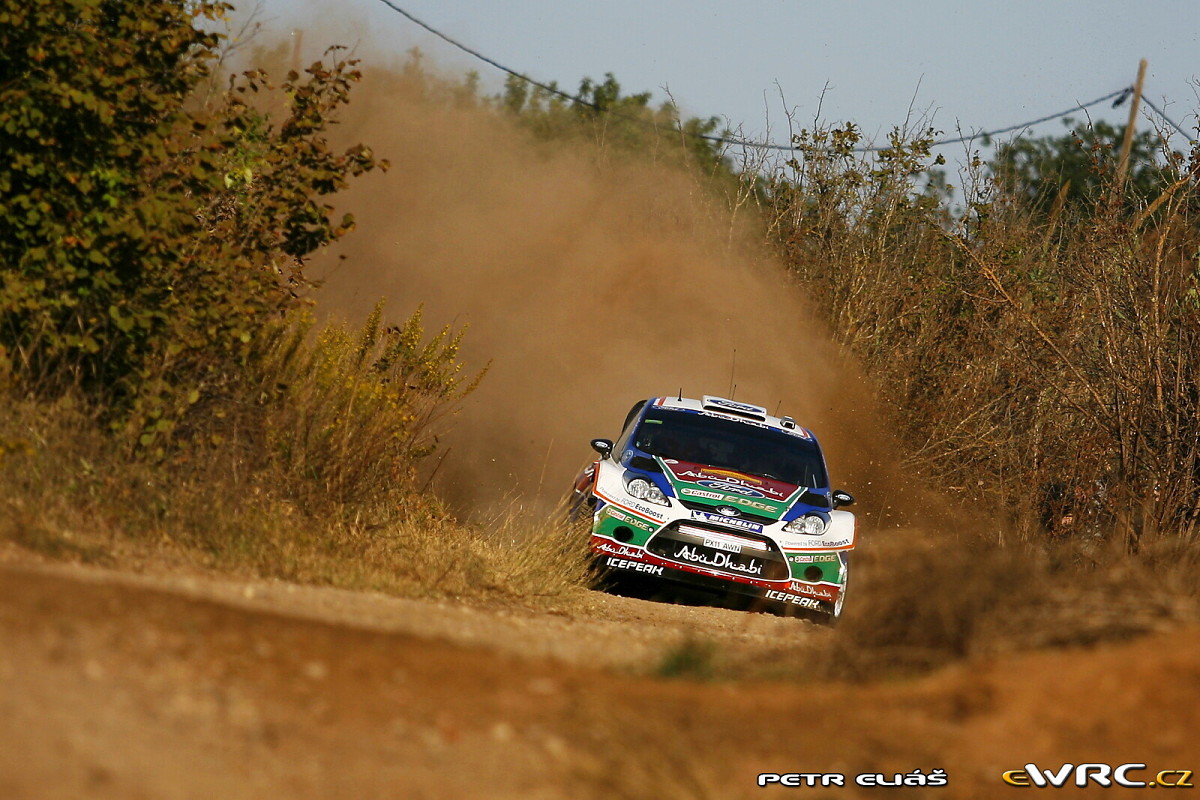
pixel 1042 366
pixel 69 494
pixel 922 602
pixel 918 600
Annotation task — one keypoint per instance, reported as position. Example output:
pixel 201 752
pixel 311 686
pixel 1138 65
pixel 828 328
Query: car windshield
pixel 727 444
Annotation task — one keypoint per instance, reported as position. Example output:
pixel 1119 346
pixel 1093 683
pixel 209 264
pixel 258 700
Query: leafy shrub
pixel 152 271
pixel 146 243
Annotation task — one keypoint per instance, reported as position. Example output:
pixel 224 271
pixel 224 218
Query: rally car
pixel 722 496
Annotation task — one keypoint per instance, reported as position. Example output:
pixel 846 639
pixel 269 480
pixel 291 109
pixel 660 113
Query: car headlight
pixel 643 489
pixel 808 525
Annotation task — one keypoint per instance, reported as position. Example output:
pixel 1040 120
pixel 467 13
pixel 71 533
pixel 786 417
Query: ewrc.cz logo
pixel 1101 774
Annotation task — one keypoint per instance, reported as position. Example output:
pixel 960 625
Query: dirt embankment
pixel 181 687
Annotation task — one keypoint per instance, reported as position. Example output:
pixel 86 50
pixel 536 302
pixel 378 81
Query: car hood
pixel 726 490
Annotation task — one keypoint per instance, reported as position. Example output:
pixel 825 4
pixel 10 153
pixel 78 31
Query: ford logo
pixel 730 488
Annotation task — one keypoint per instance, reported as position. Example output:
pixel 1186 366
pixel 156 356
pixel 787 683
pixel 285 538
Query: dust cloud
pixel 588 282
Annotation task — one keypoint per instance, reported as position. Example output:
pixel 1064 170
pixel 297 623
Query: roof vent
pixel 787 422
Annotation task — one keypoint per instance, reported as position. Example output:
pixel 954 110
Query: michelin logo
pixel 731 522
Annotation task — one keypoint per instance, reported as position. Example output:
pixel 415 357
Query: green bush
pixel 147 243
pixel 153 236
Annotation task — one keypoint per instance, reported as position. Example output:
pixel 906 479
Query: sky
pixel 969 66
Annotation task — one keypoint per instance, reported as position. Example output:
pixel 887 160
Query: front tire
pixel 837 605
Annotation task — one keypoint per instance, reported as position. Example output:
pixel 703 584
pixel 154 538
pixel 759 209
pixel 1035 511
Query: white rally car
pixel 722 496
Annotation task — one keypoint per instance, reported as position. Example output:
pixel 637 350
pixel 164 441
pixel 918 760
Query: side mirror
pixel 841 498
pixel 603 447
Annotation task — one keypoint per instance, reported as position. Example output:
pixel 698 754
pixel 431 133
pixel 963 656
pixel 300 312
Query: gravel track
pixel 183 686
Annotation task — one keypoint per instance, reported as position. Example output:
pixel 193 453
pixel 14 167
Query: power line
pixel 1120 94
pixel 940 142
pixel 1167 119
pixel 475 53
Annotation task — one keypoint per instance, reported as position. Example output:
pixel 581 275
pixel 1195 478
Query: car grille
pixel 688 504
pixel 730 553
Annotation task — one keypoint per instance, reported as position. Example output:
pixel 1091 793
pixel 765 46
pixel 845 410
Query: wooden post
pixel 298 44
pixel 1127 142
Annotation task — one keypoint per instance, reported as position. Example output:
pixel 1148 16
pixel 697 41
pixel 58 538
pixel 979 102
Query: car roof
pixel 735 410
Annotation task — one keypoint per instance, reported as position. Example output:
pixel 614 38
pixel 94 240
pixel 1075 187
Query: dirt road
pixel 188 686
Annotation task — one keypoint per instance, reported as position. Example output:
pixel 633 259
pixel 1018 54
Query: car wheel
pixel 837 604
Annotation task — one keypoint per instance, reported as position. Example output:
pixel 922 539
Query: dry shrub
pixel 920 601
pixel 515 556
pixel 1041 365
pixel 54 469
pixel 344 417
pixel 309 474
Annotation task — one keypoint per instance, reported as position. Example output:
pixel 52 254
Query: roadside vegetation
pixel 1037 343
pixel 1034 335
pixel 166 392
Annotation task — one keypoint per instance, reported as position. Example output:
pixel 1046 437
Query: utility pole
pixel 298 44
pixel 1127 143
